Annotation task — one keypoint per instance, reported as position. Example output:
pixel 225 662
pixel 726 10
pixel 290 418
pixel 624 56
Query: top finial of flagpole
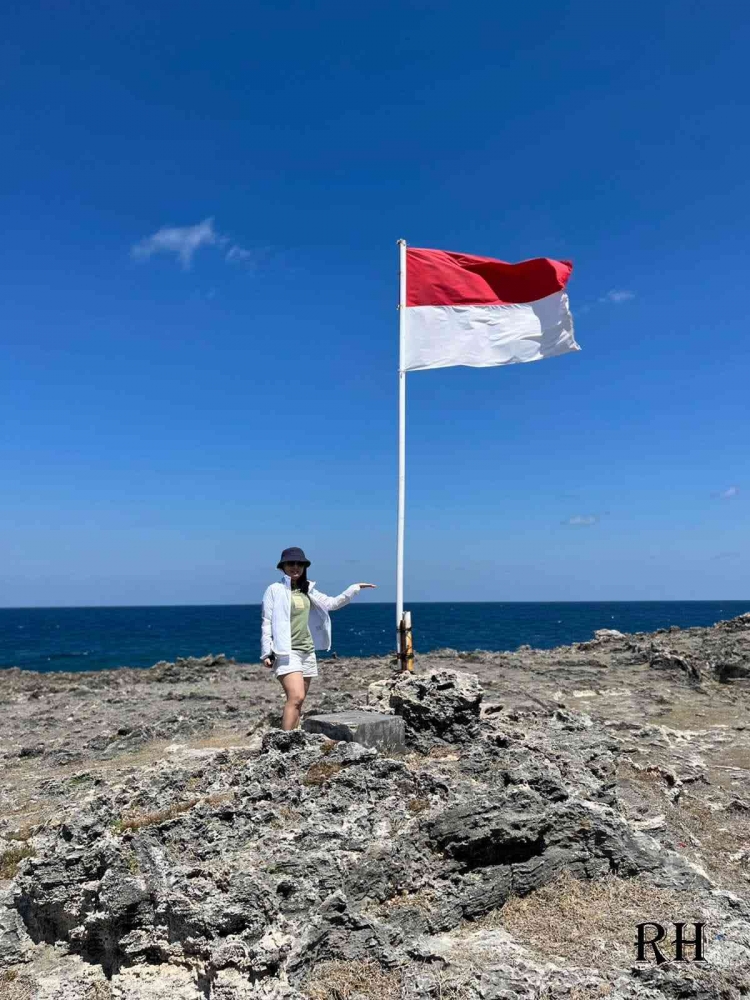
pixel 401 243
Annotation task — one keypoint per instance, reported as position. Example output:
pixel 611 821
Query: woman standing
pixel 295 623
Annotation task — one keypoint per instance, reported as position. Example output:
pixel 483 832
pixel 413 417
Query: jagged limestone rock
pixel 178 859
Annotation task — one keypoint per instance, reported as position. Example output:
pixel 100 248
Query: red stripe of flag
pixel 442 278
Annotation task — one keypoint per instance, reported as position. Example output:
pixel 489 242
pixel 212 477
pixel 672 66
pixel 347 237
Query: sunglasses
pixel 294 564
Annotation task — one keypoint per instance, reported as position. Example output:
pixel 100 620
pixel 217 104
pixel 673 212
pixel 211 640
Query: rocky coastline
pixel 160 837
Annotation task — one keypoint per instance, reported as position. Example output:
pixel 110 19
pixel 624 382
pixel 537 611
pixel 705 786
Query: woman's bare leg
pixel 295 687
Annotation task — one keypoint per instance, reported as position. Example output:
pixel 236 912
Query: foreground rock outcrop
pixel 159 837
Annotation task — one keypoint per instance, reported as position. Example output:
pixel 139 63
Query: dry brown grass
pixel 714 712
pixel 327 747
pixel 366 980
pixel 346 980
pixel 11 859
pixel 15 986
pixel 591 922
pixel 286 816
pixel 223 739
pixel 417 805
pixel 23 833
pixel 451 985
pixel 320 772
pixel 138 820
pixel 98 991
pixel 415 761
pixel 713 839
pixel 153 752
pixel 444 753
pixel 286 812
pixel 220 798
pixel 422 900
pixel 102 991
pixel 598 991
pixel 722 836
pixel 409 758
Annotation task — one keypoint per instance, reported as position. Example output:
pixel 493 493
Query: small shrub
pixel 80 779
pixel 23 834
pixel 14 985
pixel 417 805
pixel 99 991
pixel 220 798
pixel 320 772
pixel 286 816
pixel 445 985
pixel 11 859
pixel 397 823
pixel 422 899
pixel 327 747
pixel 286 812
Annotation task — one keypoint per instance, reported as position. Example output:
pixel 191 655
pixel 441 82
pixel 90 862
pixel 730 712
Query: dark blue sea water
pixel 95 638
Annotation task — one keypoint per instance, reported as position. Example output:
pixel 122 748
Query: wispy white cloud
pixel 181 241
pixel 617 295
pixel 239 255
pixel 731 492
pixel 581 520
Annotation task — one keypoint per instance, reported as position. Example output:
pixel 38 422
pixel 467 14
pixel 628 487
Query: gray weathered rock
pixel 183 862
pixel 665 659
pixel 437 706
pixel 15 943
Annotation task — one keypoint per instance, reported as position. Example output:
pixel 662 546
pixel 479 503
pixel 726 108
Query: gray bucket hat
pixel 293 555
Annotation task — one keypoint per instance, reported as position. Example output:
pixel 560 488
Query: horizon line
pixel 116 607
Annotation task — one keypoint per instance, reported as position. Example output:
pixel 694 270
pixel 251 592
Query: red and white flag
pixel 476 311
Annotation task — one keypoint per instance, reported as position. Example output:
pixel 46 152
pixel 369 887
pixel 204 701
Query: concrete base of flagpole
pixel 370 729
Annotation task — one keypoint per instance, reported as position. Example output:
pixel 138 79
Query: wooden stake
pixel 406 643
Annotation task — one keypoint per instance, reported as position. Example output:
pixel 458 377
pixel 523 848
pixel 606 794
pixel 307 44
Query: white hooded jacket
pixel 276 625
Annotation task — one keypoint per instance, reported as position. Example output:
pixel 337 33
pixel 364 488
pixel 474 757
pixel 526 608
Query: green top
pixel 302 639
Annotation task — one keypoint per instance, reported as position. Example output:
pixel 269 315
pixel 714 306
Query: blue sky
pixel 199 333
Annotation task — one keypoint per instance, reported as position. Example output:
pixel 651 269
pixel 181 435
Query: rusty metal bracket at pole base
pixel 406 644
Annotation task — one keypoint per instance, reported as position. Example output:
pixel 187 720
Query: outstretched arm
pixel 334 603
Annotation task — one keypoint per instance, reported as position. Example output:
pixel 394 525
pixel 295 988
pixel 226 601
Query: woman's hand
pixel 268 663
pixel 365 586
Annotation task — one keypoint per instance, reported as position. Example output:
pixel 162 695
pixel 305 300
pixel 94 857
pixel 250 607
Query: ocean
pixel 73 639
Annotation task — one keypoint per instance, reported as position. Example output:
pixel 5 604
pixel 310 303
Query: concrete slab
pixel 371 729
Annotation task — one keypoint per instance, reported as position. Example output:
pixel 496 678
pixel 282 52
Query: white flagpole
pixel 401 440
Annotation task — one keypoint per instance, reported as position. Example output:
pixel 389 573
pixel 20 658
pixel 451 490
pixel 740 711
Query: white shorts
pixel 296 661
